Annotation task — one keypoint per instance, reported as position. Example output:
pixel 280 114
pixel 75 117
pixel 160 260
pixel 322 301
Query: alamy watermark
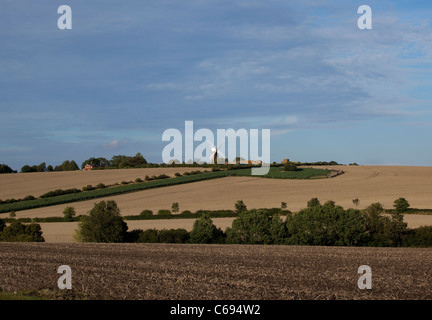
pixel 212 150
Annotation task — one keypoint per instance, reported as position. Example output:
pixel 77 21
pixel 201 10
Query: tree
pixel 256 227
pixel 27 168
pixel 2 225
pixel 103 224
pixel 283 205
pixel 313 203
pixel 4 168
pixel 240 207
pixel 356 202
pixel 175 207
pixel 17 231
pixel 328 225
pixel 204 231
pixel 69 214
pixel 401 205
pixel 50 168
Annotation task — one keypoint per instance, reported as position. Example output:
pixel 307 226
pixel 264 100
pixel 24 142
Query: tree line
pixel 318 224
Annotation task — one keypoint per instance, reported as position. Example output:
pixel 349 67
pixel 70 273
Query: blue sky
pixel 129 70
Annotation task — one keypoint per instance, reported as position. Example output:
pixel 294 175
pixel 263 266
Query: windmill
pixel 215 151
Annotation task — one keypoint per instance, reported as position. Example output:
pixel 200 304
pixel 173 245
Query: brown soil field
pixel 64 231
pixel 215 272
pixel 367 183
pixel 20 185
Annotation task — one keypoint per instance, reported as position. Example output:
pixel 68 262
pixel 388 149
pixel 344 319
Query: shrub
pixel 173 236
pixel 147 178
pixel 289 166
pixel 177 174
pixel 138 180
pixel 419 237
pixel 59 192
pixel 124 182
pixel 283 205
pixel 103 224
pixel 2 225
pixel 101 186
pixel 30 197
pixel 146 213
pixel 164 212
pixel 89 187
pixel 149 236
pixel 162 176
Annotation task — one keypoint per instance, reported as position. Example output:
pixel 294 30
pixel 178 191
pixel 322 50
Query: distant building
pixel 87 167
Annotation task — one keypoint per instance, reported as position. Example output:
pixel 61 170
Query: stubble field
pixel 220 272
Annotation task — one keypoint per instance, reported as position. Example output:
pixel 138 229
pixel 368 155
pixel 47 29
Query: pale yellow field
pixel 21 185
pixel 368 183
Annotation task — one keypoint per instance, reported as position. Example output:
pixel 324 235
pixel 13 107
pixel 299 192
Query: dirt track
pixel 368 183
pixel 220 272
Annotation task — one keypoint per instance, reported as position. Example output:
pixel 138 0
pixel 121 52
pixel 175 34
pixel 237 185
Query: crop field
pixel 367 183
pixel 203 272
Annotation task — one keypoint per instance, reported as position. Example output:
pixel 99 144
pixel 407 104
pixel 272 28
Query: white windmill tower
pixel 215 151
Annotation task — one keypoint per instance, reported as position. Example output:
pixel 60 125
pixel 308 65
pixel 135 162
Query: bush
pixel 101 186
pixel 419 237
pixel 164 212
pixel 103 224
pixel 149 236
pixel 162 176
pixel 177 174
pixel 138 180
pixel 173 236
pixel 59 192
pixel 29 198
pixel 2 225
pixel 4 168
pixel 204 231
pixel 289 166
pixel 146 213
pixel 89 187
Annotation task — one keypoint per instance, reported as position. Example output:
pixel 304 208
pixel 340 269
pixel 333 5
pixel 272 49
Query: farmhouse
pixel 88 167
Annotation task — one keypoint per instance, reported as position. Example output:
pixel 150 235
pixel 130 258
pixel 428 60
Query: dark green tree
pixel 313 203
pixel 4 168
pixel 175 207
pixel 204 231
pixel 256 227
pixel 69 214
pixel 240 207
pixel 401 205
pixel 103 224
pixel 328 225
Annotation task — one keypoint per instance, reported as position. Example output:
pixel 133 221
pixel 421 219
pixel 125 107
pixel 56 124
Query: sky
pixel 129 70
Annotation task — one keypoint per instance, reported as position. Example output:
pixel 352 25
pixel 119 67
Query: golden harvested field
pixel 214 272
pixel 368 183
pixel 21 185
